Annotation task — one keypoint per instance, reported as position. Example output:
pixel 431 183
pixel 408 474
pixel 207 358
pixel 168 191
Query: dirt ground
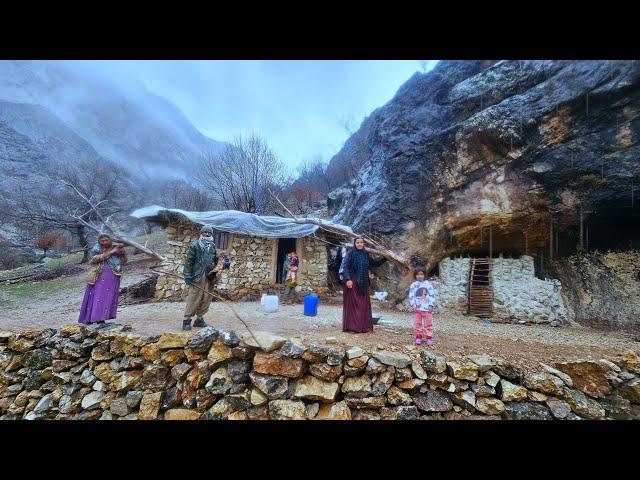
pixel 56 302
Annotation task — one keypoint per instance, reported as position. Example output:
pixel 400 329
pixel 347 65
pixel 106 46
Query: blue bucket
pixel 311 305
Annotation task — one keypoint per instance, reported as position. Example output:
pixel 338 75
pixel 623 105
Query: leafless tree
pixel 180 194
pixel 241 175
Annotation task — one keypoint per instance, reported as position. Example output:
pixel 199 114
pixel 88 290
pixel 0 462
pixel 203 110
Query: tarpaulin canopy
pixel 243 223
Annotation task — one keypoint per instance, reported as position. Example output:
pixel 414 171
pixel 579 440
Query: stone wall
pixel 252 269
pixel 518 294
pixel 104 372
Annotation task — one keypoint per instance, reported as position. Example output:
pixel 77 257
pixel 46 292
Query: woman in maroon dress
pixel 356 308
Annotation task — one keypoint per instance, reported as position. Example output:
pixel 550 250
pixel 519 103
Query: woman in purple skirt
pixel 100 301
pixel 356 309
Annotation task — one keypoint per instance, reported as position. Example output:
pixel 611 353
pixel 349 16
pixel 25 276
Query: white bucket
pixel 262 299
pixel 270 303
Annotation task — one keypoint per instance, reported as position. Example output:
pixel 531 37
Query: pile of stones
pixel 106 372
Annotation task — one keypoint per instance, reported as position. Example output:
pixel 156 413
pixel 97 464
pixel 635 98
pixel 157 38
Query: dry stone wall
pixel 104 372
pixel 518 293
pixel 252 269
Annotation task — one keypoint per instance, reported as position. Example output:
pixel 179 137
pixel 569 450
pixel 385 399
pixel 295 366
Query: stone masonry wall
pixel 518 294
pixel 252 264
pixel 104 372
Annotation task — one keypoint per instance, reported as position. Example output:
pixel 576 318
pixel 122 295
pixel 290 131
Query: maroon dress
pixel 356 309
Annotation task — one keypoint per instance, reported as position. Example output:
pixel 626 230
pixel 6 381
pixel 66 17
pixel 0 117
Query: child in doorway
pixel 292 274
pixel 422 297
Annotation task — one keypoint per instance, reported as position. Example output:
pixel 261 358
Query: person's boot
pixel 200 323
pixel 186 324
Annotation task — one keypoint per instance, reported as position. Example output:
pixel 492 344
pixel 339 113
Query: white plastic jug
pixel 271 303
pixel 262 299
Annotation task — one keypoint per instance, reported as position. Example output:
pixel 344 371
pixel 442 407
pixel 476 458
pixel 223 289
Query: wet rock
pixel 334 411
pixel 119 407
pixel 545 382
pixel 526 411
pixel 403 374
pixel 291 349
pixel 510 392
pixel 432 401
pixel 287 410
pixel 394 359
pixel 126 380
pixel 366 414
pixel 354 352
pixel 418 371
pixel 270 364
pixel 179 372
pixel 172 398
pixel 631 391
pixel 559 408
pixel 366 402
pixel 156 377
pixel 325 372
pixel 397 396
pixel 37 359
pixel 268 341
pixel 588 376
pixel 490 406
pixel 201 341
pixel 220 382
pixel 465 399
pixel 432 363
pixel 357 386
pixel 150 406
pixel 171 340
pixel 92 400
pixel 583 405
pixel 463 370
pixel 312 410
pixel 229 338
pixel 218 353
pixel 374 366
pixel 133 398
pixel 150 352
pixel 181 414
pixel 272 386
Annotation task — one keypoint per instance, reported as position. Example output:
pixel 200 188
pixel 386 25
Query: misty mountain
pixel 92 114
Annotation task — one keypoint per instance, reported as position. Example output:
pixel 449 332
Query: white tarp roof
pixel 243 223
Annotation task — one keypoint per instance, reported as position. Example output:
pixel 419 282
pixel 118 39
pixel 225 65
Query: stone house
pixel 256 246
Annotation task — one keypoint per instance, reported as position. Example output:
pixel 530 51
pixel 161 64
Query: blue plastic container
pixel 311 305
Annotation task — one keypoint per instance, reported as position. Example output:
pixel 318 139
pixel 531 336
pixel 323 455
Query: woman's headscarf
pixel 360 264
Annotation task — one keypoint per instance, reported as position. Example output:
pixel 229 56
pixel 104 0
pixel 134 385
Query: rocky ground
pixel 56 304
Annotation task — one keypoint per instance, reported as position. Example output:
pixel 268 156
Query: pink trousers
pixel 423 320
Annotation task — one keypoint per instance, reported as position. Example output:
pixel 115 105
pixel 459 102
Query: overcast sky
pixel 298 106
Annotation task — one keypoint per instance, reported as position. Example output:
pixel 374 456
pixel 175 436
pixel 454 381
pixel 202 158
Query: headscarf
pixel 360 265
pixel 206 243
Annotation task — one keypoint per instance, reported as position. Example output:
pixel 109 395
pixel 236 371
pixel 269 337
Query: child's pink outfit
pixel 422 297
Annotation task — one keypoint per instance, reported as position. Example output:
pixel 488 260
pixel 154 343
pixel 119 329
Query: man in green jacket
pixel 199 271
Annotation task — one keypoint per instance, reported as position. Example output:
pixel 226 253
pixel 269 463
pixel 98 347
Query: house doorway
pixel 285 245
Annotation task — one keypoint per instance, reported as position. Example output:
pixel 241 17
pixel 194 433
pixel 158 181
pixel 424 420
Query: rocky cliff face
pixel 513 145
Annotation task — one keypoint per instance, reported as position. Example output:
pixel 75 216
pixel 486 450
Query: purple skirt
pixel 100 301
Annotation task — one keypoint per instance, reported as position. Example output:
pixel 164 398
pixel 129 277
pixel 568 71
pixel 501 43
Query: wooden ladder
pixel 480 288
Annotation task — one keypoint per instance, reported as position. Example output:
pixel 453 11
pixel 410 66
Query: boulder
pixel 133 398
pixel 272 386
pixel 508 370
pixel 171 340
pixel 150 406
pixel 418 371
pixel 465 399
pixel 220 382
pixel 92 400
pixel 239 370
pixel 394 359
pixel 484 362
pixel 403 374
pixel 354 352
pixel 483 390
pixel 559 408
pixel 334 411
pixel 287 410
pixel 268 341
pixel 218 353
pixel 589 377
pixel 583 405
pixel 382 382
pixel 181 414
pixel 156 377
pixel 397 396
pixel 432 363
pixel 510 392
pixel 544 382
pixel 179 372
pixel 491 378
pixel 629 360
pixel 463 370
pixel 631 391
pixel 201 341
pixel 490 406
pixel 257 397
pixel 526 411
pixel 126 380
pixel 150 352
pixel 617 407
pixel 432 401
pixel 358 386
pixel 292 349
pixel 229 338
pixel 312 388
pixel 325 372
pixel 119 407
pixel 271 364
pixel 37 359
pixel 411 384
